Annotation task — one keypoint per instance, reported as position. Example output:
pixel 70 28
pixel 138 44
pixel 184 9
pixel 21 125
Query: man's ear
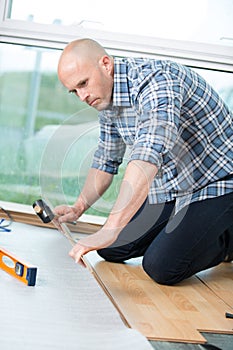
pixel 106 63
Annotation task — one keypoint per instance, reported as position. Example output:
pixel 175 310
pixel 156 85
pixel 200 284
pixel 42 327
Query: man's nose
pixel 82 94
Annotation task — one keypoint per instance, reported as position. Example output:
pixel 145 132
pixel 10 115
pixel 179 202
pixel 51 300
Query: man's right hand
pixel 96 184
pixel 67 213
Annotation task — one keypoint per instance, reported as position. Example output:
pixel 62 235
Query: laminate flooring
pixel 180 313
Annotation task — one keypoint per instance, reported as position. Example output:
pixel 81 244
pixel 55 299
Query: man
pixel 175 204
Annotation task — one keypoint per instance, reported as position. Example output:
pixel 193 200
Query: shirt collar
pixel 121 95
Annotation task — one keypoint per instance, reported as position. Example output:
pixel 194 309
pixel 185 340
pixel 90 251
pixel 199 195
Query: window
pixel 37 115
pixel 208 21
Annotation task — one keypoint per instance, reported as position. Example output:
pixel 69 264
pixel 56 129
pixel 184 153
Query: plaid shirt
pixel 166 114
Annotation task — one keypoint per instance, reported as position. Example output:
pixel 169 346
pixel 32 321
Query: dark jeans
pixel 175 247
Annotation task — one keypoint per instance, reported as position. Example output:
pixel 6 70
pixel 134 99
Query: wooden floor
pixel 214 342
pixel 180 313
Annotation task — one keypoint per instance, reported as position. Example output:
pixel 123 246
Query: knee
pixel 109 255
pixel 160 272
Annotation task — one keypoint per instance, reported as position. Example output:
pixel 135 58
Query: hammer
pixel 44 212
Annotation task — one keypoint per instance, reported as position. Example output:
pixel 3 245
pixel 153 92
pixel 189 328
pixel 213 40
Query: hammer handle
pixel 66 232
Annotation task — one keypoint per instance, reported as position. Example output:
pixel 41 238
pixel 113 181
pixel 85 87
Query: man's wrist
pixel 80 205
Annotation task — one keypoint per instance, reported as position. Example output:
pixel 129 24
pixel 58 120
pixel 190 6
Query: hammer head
pixel 43 211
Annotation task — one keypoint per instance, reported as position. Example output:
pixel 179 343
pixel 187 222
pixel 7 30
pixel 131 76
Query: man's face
pixel 91 81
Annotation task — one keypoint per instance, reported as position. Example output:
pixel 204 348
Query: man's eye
pixel 83 83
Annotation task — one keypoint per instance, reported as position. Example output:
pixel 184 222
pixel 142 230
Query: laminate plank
pixel 132 295
pixel 220 281
pixel 168 313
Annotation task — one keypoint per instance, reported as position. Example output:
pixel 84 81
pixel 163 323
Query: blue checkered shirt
pixel 166 114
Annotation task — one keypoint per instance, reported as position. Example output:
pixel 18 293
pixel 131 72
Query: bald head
pixel 80 50
pixel 88 47
pixel 86 69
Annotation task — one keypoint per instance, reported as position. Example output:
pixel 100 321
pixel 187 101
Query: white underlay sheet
pixel 66 309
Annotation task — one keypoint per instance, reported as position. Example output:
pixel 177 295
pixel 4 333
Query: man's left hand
pixel 101 239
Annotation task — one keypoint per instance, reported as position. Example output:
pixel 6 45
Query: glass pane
pixel 199 20
pixel 47 135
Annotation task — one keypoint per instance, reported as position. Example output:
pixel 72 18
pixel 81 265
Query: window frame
pixel 194 54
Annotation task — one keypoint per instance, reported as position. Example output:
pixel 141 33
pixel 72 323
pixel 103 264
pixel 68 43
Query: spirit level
pixel 17 268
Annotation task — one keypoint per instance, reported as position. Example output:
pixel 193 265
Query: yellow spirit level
pixel 17 268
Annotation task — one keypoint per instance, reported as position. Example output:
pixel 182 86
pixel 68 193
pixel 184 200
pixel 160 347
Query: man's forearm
pixel 133 192
pixel 97 182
